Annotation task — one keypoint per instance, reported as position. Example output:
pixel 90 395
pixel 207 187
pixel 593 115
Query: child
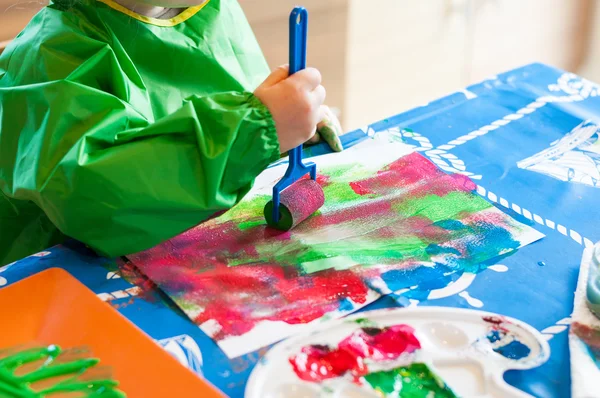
pixel 123 125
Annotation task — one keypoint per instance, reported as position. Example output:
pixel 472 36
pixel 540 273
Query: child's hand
pixel 329 129
pixel 295 103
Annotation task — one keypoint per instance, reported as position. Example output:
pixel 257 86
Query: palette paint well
pixel 418 352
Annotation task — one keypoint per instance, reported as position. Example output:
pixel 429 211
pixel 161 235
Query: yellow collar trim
pixel 176 20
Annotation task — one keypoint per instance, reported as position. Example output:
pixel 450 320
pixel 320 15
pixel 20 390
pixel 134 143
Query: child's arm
pixel 109 177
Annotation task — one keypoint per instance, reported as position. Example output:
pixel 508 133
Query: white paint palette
pixel 418 352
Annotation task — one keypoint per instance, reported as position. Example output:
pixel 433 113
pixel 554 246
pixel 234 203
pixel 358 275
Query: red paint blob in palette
pixel 382 344
pixel 317 363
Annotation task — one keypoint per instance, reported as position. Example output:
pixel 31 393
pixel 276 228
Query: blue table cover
pixel 519 136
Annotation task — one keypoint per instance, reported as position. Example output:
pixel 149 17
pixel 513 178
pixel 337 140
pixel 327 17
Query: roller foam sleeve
pixel 296 203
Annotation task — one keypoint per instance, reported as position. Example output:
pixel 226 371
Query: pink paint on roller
pixel 297 203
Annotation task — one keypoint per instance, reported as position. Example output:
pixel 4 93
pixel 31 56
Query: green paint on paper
pixel 437 208
pixel 250 224
pixel 322 264
pixel 22 371
pixel 246 210
pixel 359 251
pixel 413 381
pixel 340 194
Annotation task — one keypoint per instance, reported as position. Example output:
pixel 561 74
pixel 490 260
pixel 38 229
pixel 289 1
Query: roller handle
pixel 296 169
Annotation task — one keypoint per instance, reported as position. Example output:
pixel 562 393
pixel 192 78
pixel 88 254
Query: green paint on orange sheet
pixel 22 371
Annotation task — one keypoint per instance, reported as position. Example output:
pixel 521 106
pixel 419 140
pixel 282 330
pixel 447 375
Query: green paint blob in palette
pixel 414 381
pixel 50 371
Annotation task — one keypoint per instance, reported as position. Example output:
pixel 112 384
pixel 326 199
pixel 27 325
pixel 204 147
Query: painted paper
pixel 391 220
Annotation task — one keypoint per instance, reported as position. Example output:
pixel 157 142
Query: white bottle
pixel 593 285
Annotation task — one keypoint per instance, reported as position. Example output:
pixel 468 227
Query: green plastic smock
pixel 122 131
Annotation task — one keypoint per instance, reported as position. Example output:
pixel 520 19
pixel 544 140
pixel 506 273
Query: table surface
pixel 482 131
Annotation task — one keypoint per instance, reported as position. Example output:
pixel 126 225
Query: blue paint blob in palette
pixel 494 336
pixel 504 341
pixel 514 350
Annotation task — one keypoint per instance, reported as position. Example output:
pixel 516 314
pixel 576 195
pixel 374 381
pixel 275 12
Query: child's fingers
pixel 319 95
pixel 280 73
pixel 328 133
pixel 330 129
pixel 309 78
pixel 329 115
pixel 315 139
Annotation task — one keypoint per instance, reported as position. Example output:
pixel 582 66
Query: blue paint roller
pixel 295 199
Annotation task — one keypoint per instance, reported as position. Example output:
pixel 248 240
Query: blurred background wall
pixel 381 57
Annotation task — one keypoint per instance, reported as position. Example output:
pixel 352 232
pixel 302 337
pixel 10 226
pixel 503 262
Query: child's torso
pixel 213 51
